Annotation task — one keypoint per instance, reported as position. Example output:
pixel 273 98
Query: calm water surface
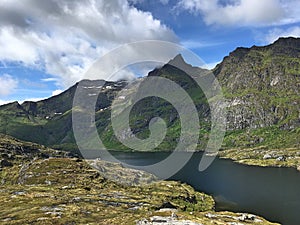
pixel 273 193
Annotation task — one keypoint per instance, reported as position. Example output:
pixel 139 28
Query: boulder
pixel 267 156
pixel 5 163
pixel 280 158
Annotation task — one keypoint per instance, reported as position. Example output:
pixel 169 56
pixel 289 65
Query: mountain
pixel 260 84
pixel 49 121
pixel 262 88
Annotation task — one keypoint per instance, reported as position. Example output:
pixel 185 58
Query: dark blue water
pixel 273 193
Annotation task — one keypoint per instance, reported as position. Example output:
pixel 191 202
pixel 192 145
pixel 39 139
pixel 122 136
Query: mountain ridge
pixel 261 86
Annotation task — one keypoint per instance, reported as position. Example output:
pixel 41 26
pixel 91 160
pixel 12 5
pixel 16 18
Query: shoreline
pixel 72 187
pixel 46 173
pixel 260 156
pixel 276 158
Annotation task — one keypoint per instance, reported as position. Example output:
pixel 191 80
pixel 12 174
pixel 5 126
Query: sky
pixel 47 45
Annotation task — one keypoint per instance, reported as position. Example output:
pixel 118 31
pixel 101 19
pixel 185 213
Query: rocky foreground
pixel 44 186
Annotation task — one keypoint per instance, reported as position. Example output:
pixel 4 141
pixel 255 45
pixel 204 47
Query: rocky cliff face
pixel 262 85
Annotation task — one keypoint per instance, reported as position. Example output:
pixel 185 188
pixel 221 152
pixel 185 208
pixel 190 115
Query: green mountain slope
pixel 262 87
pixel 260 84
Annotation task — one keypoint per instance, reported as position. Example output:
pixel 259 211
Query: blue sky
pixel 47 45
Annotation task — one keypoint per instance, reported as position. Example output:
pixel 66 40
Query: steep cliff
pixel 262 87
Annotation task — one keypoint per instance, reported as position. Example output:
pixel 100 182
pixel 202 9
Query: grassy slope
pixel 37 190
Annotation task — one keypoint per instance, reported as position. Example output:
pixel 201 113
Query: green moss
pixel 57 189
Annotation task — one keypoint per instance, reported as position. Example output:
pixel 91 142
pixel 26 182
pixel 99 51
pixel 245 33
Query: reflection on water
pixel 273 193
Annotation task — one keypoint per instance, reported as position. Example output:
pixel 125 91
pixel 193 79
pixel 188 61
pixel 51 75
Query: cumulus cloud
pixel 244 12
pixel 8 85
pixel 64 38
pixel 275 33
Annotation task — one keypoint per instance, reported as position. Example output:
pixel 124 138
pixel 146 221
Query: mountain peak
pixel 14 104
pixel 283 46
pixel 178 61
pixel 287 41
pixel 177 58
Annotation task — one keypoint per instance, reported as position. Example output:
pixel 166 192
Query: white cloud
pixel 192 44
pixel 56 92
pixel 30 100
pixel 164 2
pixel 8 85
pixel 4 102
pixel 49 79
pixel 244 12
pixel 64 38
pixel 211 65
pixel 21 101
pixel 275 33
pixel 16 46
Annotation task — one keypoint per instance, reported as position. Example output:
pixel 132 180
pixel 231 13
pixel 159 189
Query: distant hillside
pixel 49 121
pixel 261 86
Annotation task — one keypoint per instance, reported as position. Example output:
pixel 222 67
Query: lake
pixel 273 193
